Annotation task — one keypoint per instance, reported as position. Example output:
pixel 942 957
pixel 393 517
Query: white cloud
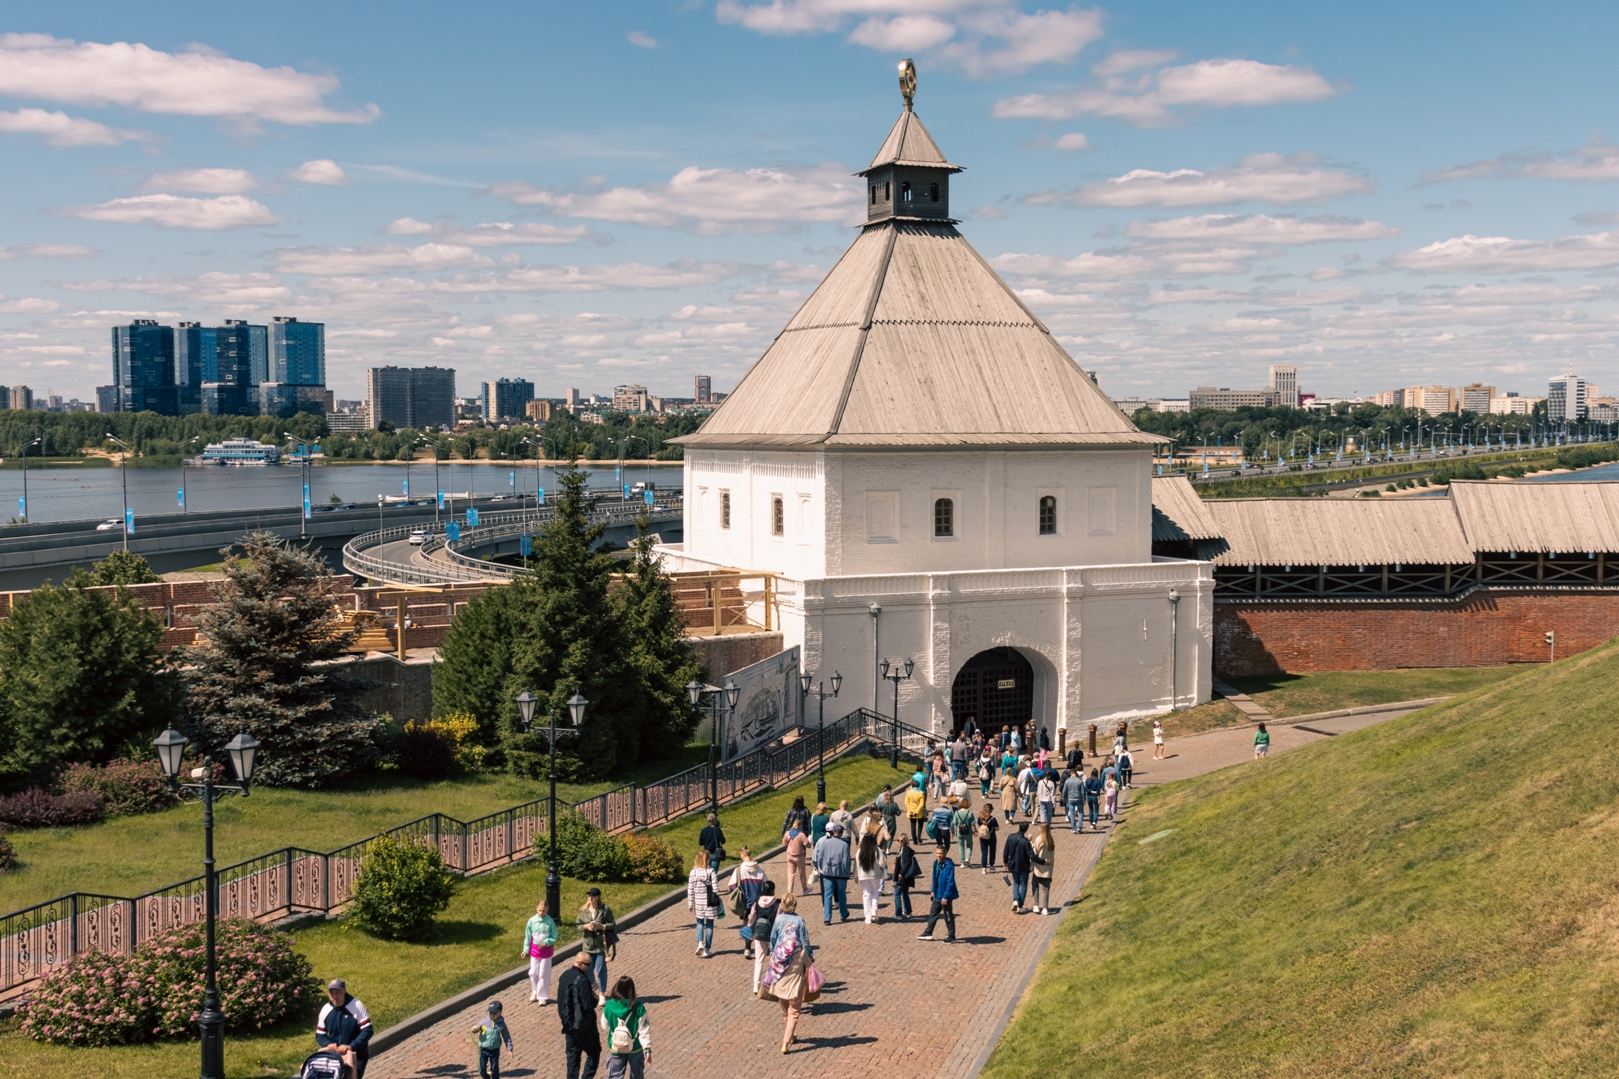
pixel 225 212
pixel 1261 229
pixel 495 233
pixel 1602 217
pixel 377 258
pixel 1500 254
pixel 28 305
pixel 60 129
pixel 1596 162
pixel 407 226
pixel 1125 60
pixel 641 39
pixel 982 37
pixel 48 251
pixel 1146 99
pixel 232 290
pixel 198 83
pixel 1273 178
pixel 710 201
pixel 320 171
pixel 1073 142
pixel 203 181
pixel 686 273
pixel 1089 265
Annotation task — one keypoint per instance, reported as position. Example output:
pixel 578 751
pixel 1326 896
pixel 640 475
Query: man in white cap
pixel 831 861
pixel 345 1026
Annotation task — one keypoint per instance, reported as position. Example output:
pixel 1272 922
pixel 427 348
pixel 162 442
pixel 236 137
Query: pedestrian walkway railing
pixel 294 880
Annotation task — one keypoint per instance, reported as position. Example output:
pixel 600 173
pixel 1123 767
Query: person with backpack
pixel 345 1027
pixel 906 870
pixel 489 1036
pixel 787 979
pixel 1261 742
pixel 1093 796
pixel 1076 758
pixel 759 921
pixel 712 840
pixel 939 823
pixel 985 829
pixel 746 884
pixel 539 943
pixel 702 899
pixel 576 1007
pixel 832 863
pixel 964 825
pixel 871 867
pixel 984 769
pixel 1073 797
pixel 1027 779
pixel 1019 858
pixel 629 1034
pixel 1127 767
pixel 943 895
pixel 916 808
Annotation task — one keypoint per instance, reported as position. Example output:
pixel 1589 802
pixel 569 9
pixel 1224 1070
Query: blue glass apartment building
pixel 234 369
pixel 143 367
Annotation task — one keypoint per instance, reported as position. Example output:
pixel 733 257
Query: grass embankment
pixel 479 937
pixel 1434 895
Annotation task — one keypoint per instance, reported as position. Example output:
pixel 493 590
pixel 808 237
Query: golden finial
pixel 907 81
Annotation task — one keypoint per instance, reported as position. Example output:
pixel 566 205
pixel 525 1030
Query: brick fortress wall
pixel 1482 630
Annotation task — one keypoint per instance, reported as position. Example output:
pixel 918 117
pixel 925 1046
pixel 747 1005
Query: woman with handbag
pixel 702 899
pixel 712 840
pixel 761 918
pixel 629 1035
pixel 988 827
pixel 787 979
pixel 539 943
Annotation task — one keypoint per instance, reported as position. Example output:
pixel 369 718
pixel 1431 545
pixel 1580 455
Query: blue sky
pixel 590 194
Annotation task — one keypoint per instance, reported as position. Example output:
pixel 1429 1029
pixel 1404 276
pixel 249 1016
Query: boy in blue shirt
pixel 489 1036
pixel 944 895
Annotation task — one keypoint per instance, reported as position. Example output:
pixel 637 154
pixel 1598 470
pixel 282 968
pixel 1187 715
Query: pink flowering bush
pixel 101 999
pixel 129 787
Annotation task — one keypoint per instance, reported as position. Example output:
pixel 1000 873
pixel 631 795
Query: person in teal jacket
pixel 489 1035
pixel 539 942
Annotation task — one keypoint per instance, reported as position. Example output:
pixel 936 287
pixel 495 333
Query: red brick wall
pixel 1483 630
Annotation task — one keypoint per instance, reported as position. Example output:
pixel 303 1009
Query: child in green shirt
pixel 489 1036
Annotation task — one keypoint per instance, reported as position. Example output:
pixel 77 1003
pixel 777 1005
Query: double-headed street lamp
pixel 123 481
pixel 896 677
pixel 694 694
pixel 243 752
pixel 576 712
pixel 804 682
pixel 23 506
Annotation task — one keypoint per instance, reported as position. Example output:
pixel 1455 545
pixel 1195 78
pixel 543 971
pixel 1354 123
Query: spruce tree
pixel 123 567
pixel 253 668
pixel 659 650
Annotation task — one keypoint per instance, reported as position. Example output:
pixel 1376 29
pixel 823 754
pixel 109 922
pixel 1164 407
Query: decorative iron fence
pixel 294 880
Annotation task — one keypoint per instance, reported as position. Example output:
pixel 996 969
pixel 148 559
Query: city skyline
pixel 1181 195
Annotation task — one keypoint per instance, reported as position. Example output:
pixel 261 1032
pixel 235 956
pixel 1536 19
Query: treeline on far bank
pixel 164 439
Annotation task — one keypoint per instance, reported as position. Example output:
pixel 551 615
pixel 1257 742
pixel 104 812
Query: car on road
pixel 111 524
pixel 418 537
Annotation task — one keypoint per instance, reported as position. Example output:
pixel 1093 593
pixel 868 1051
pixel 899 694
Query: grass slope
pixel 1302 694
pixel 479 937
pixel 1435 895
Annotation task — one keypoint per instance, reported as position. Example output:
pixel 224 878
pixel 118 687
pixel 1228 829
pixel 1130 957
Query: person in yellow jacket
pixel 916 810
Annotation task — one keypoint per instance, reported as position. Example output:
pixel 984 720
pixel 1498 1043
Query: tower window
pixel 933 192
pixel 874 194
pixel 778 517
pixel 725 509
pixel 887 191
pixel 944 518
pixel 1048 515
pixel 905 191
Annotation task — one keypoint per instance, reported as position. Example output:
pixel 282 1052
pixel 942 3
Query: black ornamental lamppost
pixel 576 713
pixel 728 695
pixel 896 677
pixel 243 752
pixel 821 695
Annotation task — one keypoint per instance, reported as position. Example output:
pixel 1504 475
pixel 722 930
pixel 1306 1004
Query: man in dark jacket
pixel 344 1025
pixel 712 839
pixel 1019 858
pixel 576 1007
pixel 905 873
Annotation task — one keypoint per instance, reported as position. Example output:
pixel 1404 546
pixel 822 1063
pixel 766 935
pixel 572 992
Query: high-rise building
pixel 506 399
pixel 414 397
pixel 1476 397
pixel 227 381
pixel 296 353
pixel 143 367
pixel 538 410
pixel 1284 383
pixel 106 398
pixel 573 399
pixel 705 389
pixel 629 398
pixel 1566 399
pixel 21 398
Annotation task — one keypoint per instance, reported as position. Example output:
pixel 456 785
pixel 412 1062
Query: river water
pixel 77 494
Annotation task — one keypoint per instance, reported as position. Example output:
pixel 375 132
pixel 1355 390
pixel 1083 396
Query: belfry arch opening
pixel 994 689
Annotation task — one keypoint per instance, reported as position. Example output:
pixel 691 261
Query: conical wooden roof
pixel 909 143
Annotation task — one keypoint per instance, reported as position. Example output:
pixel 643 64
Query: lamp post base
pixel 211 1025
pixel 820 789
pixel 553 892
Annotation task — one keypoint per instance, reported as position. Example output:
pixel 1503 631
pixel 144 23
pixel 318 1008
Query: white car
pixel 112 524
pixel 418 537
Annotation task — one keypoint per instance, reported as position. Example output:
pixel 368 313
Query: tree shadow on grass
pixel 461 932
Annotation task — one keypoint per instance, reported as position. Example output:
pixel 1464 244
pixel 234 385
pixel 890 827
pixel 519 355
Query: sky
pixel 593 194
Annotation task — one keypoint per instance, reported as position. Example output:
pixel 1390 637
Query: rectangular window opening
pixel 778 516
pixel 725 509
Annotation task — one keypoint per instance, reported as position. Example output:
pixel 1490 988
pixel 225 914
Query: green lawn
pixel 480 937
pixel 1433 895
pixel 1301 694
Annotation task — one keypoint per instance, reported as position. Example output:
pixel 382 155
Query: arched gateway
pixel 994 690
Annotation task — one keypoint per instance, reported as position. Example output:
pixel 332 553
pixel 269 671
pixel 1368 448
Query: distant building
pixel 538 410
pixel 1172 404
pixel 1476 397
pixel 629 398
pixel 414 397
pixel 572 398
pixel 296 353
pixel 1225 400
pixel 705 389
pixel 107 399
pixel 1284 383
pixel 1513 405
pixel 1390 399
pixel 143 367
pixel 348 423
pixel 1602 410
pixel 1130 405
pixel 506 399
pixel 1566 399
pixel 20 398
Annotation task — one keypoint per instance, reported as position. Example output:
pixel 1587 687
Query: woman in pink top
pixel 798 851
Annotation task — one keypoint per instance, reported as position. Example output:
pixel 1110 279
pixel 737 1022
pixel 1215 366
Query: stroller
pixel 324 1064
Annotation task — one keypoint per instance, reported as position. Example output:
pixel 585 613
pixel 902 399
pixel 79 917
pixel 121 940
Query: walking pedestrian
pixel 785 981
pixel 598 936
pixel 539 944
pixel 1121 739
pixel 818 823
pixel 985 770
pixel 958 758
pixel 745 886
pixel 888 809
pixel 1045 852
pixel 958 788
pixel 797 814
pixel 629 1035
pixel 1127 767
pixel 906 870
pixel 1008 785
pixel 759 919
pixel 1004 739
pixel 965 825
pixel 843 818
pixel 345 1027
pixel 1019 858
pixel 712 840
pixel 798 851
pixel 832 863
pixel 916 809
pixel 939 775
pixel 1017 740
pixel 986 828
pixel 702 899
pixel 943 895
pixel 1110 797
pixel 1045 740
pixel 1093 796
pixel 1073 797
pixel 1076 758
pixel 1009 763
pixel 871 867
pixel 1027 779
pixel 1045 791
pixel 1261 742
pixel 942 822
pixel 1157 740
pixel 576 1007
pixel 489 1034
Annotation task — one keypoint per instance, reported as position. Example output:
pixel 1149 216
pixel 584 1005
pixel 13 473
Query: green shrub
pixel 8 855
pixel 585 852
pixel 401 887
pixel 128 787
pixel 653 861
pixel 423 753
